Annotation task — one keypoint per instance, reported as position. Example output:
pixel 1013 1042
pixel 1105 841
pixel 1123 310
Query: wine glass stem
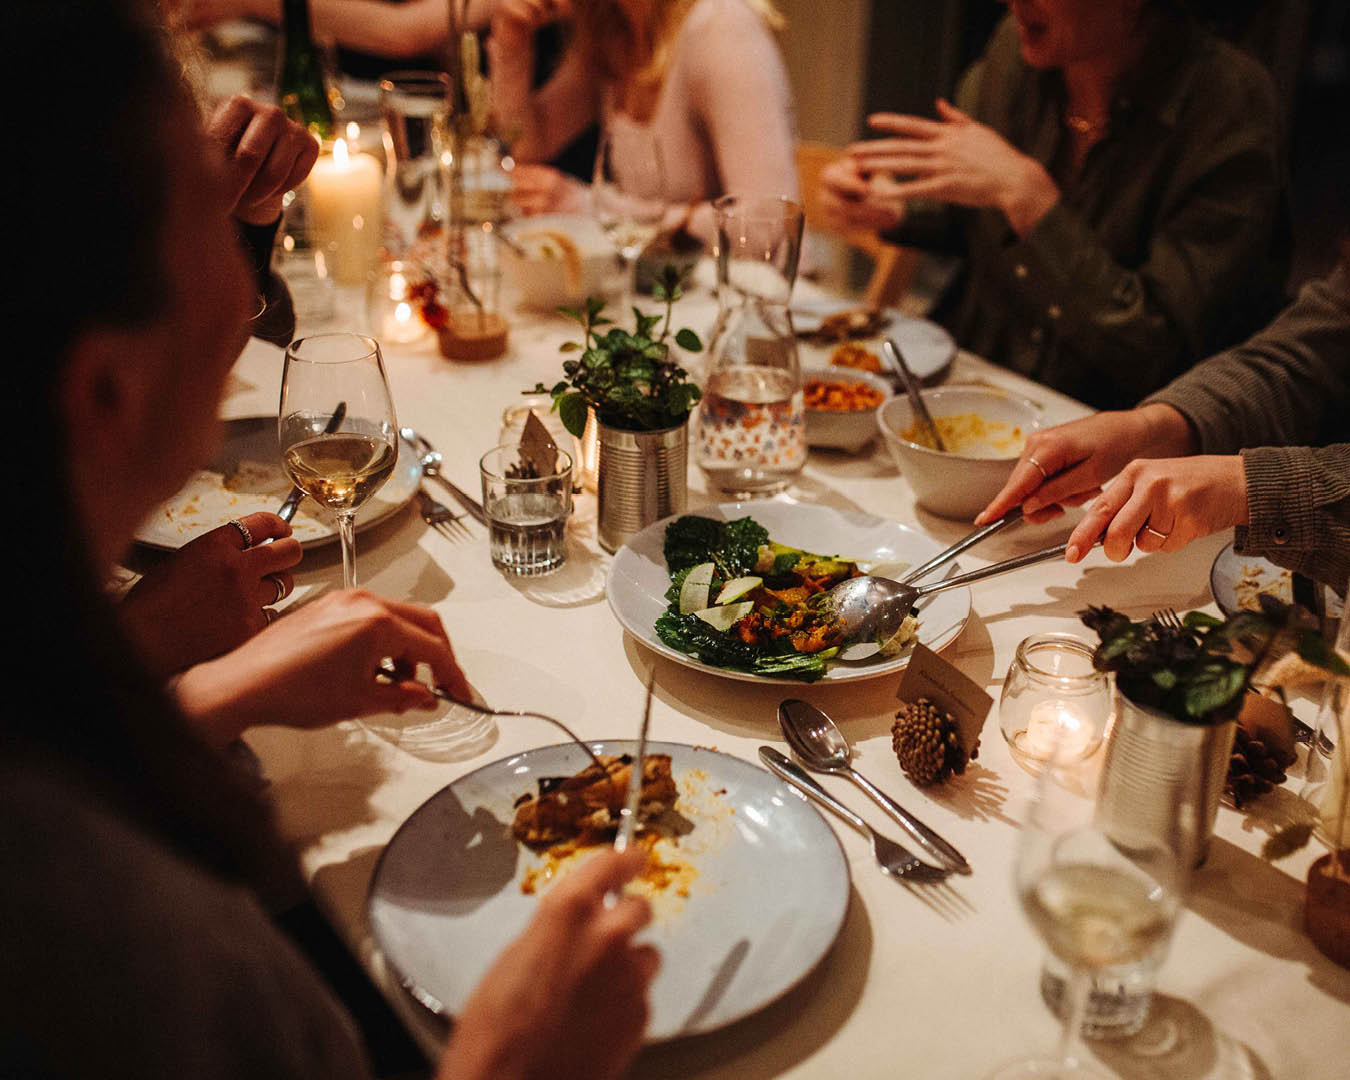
pixel 1078 987
pixel 347 533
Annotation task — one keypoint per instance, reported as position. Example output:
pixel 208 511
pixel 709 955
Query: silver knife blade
pixel 628 822
pixel 472 505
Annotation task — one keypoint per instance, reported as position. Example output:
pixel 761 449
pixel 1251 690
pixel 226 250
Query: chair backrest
pixel 893 265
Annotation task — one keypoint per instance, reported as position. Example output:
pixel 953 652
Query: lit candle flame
pixel 340 153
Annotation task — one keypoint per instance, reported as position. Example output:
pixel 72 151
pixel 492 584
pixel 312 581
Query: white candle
pixel 1055 730
pixel 344 198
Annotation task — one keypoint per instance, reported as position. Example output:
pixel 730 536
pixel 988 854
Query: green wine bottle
pixel 300 83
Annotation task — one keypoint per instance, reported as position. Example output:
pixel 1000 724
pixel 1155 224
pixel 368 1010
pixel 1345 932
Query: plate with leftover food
pixel 246 477
pixel 748 884
pixel 736 589
pixel 1237 580
pixel 843 334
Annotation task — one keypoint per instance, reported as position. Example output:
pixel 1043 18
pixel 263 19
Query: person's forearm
pixel 1028 196
pixel 1298 508
pixel 398 31
pixel 202 694
pixel 511 59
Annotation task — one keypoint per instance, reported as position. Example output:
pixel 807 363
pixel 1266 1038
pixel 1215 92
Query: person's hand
pixel 957 160
pixel 1162 505
pixel 1067 465
pixel 852 199
pixel 317 665
pixel 209 596
pixel 568 998
pixel 266 155
pixel 542 189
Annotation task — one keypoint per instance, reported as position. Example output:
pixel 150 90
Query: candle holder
pixel 474 328
pixel 1054 702
pixel 393 310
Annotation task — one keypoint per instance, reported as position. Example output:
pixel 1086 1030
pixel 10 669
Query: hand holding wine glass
pixel 340 468
pixel 1097 898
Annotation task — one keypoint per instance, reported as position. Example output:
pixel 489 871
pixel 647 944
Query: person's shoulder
pixel 1227 83
pixel 723 17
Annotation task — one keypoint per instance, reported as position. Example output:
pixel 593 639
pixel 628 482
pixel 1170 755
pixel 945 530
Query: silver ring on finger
pixel 270 615
pixel 1162 536
pixel 1039 468
pixel 276 580
pixel 244 534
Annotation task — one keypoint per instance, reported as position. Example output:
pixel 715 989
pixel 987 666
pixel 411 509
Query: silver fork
pixel 894 859
pixel 1169 618
pixel 441 518
pixel 430 459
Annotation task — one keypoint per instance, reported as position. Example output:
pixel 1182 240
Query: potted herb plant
pixel 641 399
pixel 1180 685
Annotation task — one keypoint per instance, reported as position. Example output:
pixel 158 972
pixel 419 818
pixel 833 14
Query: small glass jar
pixel 1054 702
pixel 393 310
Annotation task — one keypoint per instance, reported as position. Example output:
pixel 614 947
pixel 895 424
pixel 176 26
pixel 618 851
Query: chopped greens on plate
pixel 739 600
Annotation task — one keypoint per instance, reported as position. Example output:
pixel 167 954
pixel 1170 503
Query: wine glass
pixel 336 426
pixel 629 191
pixel 1097 901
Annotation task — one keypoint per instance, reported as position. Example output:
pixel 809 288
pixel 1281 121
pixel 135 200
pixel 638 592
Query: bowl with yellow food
pixel 984 430
pixel 841 407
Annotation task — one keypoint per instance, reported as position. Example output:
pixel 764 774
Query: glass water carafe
pixel 750 430
pixel 415 109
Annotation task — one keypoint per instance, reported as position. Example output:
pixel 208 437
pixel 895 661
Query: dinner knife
pixel 628 821
pixel 288 508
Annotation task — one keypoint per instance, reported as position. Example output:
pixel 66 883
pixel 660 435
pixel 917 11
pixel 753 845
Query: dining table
pixel 909 988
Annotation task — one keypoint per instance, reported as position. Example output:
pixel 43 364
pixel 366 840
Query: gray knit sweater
pixel 1282 399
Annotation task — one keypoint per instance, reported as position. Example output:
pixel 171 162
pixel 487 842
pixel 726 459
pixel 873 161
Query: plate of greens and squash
pixel 736 590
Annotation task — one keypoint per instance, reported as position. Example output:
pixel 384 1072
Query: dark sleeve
pixel 276 324
pixel 1138 325
pixel 1298 504
pixel 1280 387
pixel 121 960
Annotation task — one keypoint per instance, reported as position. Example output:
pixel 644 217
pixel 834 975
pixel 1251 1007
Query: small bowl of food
pixel 557 259
pixel 984 430
pixel 841 407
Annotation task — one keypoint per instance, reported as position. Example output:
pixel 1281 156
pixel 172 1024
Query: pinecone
pixel 1253 769
pixel 928 744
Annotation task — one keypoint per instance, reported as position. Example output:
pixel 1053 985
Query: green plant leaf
pixel 688 340
pixel 569 346
pixel 1214 688
pixel 1200 620
pixel 572 410
pixel 1314 648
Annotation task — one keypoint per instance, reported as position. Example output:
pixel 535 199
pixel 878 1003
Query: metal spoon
pixel 892 350
pixel 822 747
pixel 872 608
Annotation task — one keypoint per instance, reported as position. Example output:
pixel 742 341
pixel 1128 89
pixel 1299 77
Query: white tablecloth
pixel 904 992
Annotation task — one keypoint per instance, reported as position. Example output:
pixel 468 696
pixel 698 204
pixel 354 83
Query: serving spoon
pixel 871 609
pixel 823 748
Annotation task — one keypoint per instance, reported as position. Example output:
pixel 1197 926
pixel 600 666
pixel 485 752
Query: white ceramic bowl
pixel 849 431
pixel 956 485
pixel 544 279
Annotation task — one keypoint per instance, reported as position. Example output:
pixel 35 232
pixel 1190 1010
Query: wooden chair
pixel 893 266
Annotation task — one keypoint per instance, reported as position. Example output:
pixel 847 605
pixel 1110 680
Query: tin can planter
pixel 1153 762
pixel 641 477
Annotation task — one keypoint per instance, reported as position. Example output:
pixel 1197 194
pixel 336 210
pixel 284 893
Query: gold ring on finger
pixel 269 615
pixel 1041 468
pixel 276 580
pixel 1162 536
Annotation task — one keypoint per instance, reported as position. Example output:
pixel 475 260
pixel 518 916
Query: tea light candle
pixel 401 324
pixel 1055 730
pixel 344 192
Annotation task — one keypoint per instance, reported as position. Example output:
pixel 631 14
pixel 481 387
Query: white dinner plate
pixel 767 899
pixel 929 349
pixel 1236 580
pixel 638 578
pixel 247 477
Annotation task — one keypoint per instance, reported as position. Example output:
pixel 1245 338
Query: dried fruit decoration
pixel 927 742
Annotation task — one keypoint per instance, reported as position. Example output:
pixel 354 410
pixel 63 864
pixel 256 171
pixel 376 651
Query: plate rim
pixel 314 541
pixel 1230 550
pixel 837 304
pixel 849 675
pixel 835 852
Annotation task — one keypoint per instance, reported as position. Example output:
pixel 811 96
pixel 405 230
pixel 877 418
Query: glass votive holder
pixel 393 307
pixel 1055 704
pixel 474 328
pixel 527 515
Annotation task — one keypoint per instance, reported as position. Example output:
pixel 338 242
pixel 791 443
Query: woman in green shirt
pixel 1111 175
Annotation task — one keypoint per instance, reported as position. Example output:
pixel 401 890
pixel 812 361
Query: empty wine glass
pixel 629 190
pixel 1097 903
pixel 337 429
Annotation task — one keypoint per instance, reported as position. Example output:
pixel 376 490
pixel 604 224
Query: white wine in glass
pixel 1095 902
pixel 629 190
pixel 337 428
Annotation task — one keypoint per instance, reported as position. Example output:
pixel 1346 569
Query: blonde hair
pixel 625 48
